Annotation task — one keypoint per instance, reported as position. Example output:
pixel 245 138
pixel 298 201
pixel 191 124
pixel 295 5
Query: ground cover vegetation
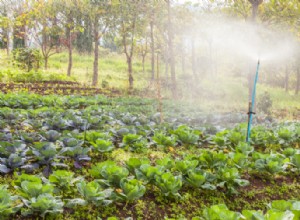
pixel 137 109
pixel 66 156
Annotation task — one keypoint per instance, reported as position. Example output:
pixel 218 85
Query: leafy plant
pixel 131 189
pixel 43 204
pixel 230 178
pixel 73 148
pixel 147 173
pixel 94 193
pixel 52 135
pixel 110 172
pixel 63 179
pixel 9 164
pixel 197 178
pixel 46 153
pixel 135 163
pixel 135 143
pixel 185 165
pixel 162 140
pixel 296 161
pixel 265 103
pixel 33 189
pixel 218 212
pixel 169 184
pixel 27 58
pixel 166 162
pixel 186 135
pixel 212 159
pixel 8 204
pixel 271 163
pixel 102 145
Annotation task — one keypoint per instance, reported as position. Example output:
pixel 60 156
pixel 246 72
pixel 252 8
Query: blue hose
pixel 252 105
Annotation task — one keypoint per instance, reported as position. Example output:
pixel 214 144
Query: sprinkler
pixel 251 104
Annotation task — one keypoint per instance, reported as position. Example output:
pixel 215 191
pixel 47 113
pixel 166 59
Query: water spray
pixel 251 104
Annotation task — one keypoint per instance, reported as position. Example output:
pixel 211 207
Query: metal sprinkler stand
pixel 251 105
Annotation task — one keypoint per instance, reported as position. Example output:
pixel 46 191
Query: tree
pixel 7 22
pixel 284 15
pixel 101 17
pixel 68 10
pixel 171 49
pixel 130 21
pixel 44 23
pixel 255 4
pixel 142 48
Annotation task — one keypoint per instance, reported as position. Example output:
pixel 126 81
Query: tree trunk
pixel 183 62
pixel 194 68
pixel 167 70
pixel 70 47
pixel 143 62
pixel 10 30
pixel 286 80
pixel 171 53
pixel 26 40
pixel 96 53
pixel 298 81
pixel 46 62
pixel 130 77
pixel 255 4
pixel 152 50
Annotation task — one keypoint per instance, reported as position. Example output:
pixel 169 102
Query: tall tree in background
pixel 131 21
pixel 284 15
pixel 68 12
pixel 7 22
pixel 171 49
pixel 101 17
pixel 43 21
pixel 255 4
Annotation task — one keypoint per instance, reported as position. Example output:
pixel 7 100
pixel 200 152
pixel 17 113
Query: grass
pixel 221 92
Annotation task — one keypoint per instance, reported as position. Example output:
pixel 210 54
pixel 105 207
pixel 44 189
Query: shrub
pixel 27 58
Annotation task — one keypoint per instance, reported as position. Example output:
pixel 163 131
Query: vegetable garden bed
pixel 89 158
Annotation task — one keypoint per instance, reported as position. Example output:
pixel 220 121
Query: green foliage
pixel 32 76
pixel 273 163
pixel 212 159
pixel 30 190
pixel 148 173
pixel 265 103
pixel 169 184
pixel 230 178
pixel 44 204
pixel 103 145
pixel 296 160
pixel 63 179
pixel 252 214
pixel 186 135
pixel 92 192
pixel 8 203
pixel 219 212
pixel 185 165
pixel 135 143
pixel 110 172
pixel 132 189
pixel 162 140
pixel 135 163
pixel 27 58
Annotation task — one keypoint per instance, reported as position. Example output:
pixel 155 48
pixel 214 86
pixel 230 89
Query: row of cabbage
pixel 30 150
pixel 36 195
pixel 96 118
